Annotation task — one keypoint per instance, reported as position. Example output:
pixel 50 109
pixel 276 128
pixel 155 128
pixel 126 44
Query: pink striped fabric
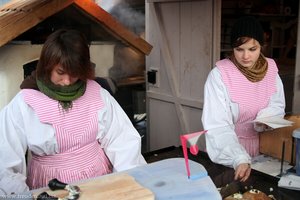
pixel 76 130
pixel 250 97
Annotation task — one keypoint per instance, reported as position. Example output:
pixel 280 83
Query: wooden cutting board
pixel 113 187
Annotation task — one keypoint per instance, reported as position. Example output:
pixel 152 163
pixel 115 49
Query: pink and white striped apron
pixel 250 97
pixel 80 155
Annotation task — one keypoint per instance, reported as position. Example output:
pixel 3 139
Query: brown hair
pixel 68 48
pixel 241 40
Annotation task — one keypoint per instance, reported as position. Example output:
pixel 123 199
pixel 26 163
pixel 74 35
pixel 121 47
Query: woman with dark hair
pixel 238 90
pixel 73 127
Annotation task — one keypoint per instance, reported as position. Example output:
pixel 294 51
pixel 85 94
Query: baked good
pixel 255 194
pixel 236 196
pixel 252 194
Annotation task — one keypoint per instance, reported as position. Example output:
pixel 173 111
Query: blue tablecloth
pixel 167 179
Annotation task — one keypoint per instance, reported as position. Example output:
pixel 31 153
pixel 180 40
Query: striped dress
pixel 250 97
pixel 80 155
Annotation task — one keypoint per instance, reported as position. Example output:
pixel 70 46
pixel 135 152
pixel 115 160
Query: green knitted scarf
pixel 64 94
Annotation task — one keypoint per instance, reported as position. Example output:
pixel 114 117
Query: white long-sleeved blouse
pixel 220 114
pixel 20 128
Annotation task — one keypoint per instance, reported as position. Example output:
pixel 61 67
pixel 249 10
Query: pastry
pixel 236 196
pixel 255 194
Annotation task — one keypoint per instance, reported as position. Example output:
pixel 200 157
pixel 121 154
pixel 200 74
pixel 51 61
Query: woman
pixel 238 90
pixel 73 128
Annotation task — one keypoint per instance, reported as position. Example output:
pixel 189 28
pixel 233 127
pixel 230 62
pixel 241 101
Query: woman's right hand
pixel 242 172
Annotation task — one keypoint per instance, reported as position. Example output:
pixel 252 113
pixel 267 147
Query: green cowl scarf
pixel 64 94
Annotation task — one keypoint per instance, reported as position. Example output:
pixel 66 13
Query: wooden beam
pixel 114 27
pixel 170 1
pixel 19 16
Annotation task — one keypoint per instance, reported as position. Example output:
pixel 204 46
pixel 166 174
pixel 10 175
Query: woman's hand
pixel 242 172
pixel 260 127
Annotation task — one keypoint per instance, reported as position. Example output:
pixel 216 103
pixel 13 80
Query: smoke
pixel 132 19
pixel 127 63
pixel 107 4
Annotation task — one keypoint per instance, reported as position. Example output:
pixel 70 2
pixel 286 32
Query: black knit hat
pixel 247 27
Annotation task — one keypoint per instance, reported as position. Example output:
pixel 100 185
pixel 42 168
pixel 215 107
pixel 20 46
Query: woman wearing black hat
pixel 241 88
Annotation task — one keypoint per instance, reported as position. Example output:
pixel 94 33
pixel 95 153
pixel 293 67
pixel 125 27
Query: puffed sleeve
pixel 222 144
pixel 276 106
pixel 117 136
pixel 13 145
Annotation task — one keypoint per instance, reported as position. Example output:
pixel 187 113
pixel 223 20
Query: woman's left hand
pixel 242 172
pixel 260 127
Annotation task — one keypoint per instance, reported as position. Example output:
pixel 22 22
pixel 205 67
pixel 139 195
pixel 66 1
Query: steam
pixel 132 19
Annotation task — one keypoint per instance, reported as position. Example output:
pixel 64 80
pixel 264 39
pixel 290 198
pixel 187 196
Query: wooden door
pixel 185 35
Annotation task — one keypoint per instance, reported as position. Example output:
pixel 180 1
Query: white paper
pixel 290 181
pixel 274 122
pixel 269 165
